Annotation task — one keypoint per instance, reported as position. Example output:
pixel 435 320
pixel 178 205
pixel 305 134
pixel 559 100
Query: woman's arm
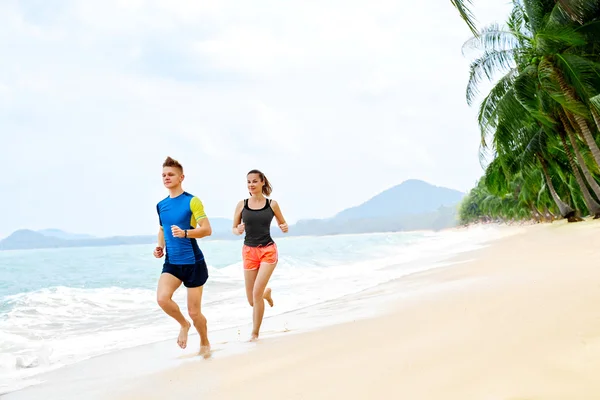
pixel 279 216
pixel 238 225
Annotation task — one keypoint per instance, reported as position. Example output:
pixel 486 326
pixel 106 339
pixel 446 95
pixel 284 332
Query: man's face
pixel 172 177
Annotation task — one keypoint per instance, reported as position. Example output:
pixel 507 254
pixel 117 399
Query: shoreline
pixel 365 304
pixel 519 323
pixel 309 318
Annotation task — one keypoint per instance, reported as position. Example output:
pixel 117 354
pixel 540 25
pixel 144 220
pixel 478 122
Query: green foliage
pixel 545 62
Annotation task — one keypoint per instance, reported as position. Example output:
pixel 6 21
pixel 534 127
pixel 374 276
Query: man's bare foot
pixel 183 334
pixel 267 296
pixel 253 338
pixel 204 351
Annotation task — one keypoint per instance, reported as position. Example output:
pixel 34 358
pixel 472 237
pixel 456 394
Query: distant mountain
pixel 221 226
pixel 444 217
pixel 57 233
pixel 28 239
pixel 408 198
pixel 55 238
pixel 412 205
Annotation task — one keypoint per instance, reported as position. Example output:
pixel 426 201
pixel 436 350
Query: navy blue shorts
pixel 192 275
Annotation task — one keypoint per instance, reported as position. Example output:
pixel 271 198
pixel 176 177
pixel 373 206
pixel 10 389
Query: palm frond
pixel 491 38
pixel 487 65
pixel 463 7
pixel 582 73
pixel 512 116
pixel 495 177
pixel 549 80
pixel 591 31
pixel 489 105
pixel 526 92
pixel 537 12
pixel 595 102
pixel 517 18
pixel 533 146
pixel 580 10
pixel 554 38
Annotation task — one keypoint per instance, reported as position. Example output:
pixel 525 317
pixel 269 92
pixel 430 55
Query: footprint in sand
pixel 197 354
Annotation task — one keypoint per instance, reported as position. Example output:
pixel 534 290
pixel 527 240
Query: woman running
pixel 254 216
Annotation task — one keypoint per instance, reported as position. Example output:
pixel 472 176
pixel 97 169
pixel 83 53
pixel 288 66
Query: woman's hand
pixel 240 228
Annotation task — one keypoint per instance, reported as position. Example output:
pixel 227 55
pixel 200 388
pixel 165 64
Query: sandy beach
pixel 525 325
pixel 517 319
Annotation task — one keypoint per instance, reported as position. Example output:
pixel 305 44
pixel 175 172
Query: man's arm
pixel 203 227
pixel 159 251
pixel 202 230
pixel 161 238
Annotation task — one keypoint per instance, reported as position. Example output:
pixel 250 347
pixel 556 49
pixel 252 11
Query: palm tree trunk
pixel 551 217
pixel 586 172
pixel 596 117
pixel 535 213
pixel 592 205
pixel 589 139
pixel 583 126
pixel 565 210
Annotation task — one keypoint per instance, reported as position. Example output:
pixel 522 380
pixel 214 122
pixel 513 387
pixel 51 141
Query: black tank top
pixel 258 224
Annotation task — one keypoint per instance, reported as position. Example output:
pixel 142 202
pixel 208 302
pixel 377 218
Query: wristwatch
pixel 185 233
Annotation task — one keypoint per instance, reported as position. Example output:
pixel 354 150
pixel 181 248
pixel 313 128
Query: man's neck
pixel 175 191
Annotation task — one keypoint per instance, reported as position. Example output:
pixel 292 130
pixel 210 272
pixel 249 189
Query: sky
pixel 334 101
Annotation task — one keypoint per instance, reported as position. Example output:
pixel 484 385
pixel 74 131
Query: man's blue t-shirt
pixel 184 211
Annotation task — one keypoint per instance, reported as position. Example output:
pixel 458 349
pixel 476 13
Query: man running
pixel 182 221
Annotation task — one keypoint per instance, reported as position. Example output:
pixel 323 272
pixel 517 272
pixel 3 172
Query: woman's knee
pixel 257 295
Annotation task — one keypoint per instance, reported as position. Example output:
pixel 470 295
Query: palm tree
pixel 551 85
pixel 576 10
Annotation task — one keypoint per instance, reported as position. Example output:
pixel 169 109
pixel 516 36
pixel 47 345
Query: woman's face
pixel 255 184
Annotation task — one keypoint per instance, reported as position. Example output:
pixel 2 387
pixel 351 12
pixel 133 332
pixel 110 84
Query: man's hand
pixel 284 228
pixel 159 252
pixel 177 232
pixel 240 228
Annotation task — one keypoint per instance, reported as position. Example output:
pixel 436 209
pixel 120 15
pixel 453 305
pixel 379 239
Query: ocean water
pixel 62 306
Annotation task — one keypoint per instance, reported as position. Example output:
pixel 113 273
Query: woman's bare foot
pixel 267 297
pixel 253 338
pixel 183 334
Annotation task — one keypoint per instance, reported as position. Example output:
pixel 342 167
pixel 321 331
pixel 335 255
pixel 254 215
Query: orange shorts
pixel 254 256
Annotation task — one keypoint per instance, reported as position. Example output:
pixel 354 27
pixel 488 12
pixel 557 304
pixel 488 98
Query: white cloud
pixel 335 101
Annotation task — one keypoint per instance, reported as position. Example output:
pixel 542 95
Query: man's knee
pixel 194 313
pixel 163 299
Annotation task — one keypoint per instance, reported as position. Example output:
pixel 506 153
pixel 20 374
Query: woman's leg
pixel 249 278
pixel 261 280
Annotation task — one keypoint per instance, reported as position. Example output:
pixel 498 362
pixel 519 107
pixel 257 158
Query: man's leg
pixel 194 303
pixel 262 279
pixel 167 284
